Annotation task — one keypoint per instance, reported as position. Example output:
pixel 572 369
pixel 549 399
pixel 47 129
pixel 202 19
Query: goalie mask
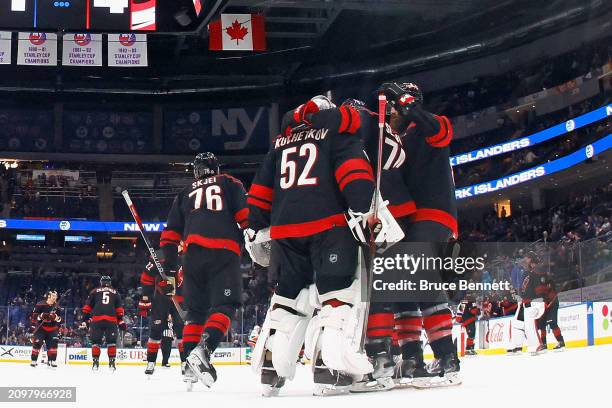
pixel 205 165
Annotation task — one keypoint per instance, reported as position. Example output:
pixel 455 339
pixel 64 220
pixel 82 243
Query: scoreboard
pixel 79 15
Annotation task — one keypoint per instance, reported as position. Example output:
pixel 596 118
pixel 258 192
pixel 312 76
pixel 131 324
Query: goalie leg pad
pixel 283 333
pixel 531 314
pixel 338 341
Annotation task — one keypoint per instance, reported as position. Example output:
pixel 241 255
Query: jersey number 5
pixel 289 167
pixel 214 202
pixel 105 298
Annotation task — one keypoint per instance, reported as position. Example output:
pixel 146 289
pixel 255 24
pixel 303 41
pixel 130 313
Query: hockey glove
pixel 144 306
pixel 257 244
pixel 403 100
pixel 122 325
pixel 167 286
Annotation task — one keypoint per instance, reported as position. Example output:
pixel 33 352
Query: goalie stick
pixel 382 109
pixel 158 264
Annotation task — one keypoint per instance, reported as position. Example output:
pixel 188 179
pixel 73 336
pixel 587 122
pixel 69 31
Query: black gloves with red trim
pixel 144 306
pixel 404 97
pixel 122 325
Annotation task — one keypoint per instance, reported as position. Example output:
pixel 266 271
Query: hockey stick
pixel 382 108
pixel 158 264
pixel 56 305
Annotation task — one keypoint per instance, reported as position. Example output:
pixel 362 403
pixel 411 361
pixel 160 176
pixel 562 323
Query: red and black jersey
pixel 508 307
pixel 311 176
pixel 539 286
pixel 210 213
pixel 467 312
pixel 393 186
pixel 428 171
pixel 104 303
pixel 150 279
pixel 47 316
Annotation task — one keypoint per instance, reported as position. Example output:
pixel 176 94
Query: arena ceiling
pixel 312 43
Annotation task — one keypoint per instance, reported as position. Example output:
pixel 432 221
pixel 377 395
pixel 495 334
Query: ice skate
pixel 560 346
pixel 189 378
pixel 96 364
pixel 51 364
pixel 381 379
pixel 199 362
pixel 470 352
pixel 270 381
pixel 166 365
pixel 410 369
pixel 111 364
pixel 33 364
pixel 445 372
pixel 540 350
pixel 150 368
pixel 330 382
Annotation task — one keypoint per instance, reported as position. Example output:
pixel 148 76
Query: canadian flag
pixel 237 32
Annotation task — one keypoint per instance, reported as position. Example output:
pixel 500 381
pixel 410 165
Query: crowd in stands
pixel 496 167
pixel 497 90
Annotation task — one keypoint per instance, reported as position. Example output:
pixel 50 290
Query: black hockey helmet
pixel 106 280
pixel 533 257
pixel 50 293
pixel 412 90
pixel 205 165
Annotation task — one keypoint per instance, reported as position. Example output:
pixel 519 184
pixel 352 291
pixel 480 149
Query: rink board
pixel 137 357
pixel 582 324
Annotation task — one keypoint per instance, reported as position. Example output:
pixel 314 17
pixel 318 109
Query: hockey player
pixel 525 323
pixel 545 288
pixel 428 176
pixel 44 323
pixel 156 301
pixel 380 332
pixel 467 314
pixel 207 216
pixel 104 310
pixel 315 172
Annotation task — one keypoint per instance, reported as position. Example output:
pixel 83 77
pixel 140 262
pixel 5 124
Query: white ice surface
pixel 574 378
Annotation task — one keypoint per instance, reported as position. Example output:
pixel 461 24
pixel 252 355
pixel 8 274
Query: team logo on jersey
pixel 38 38
pixel 333 258
pixel 82 39
pixel 227 292
pixel 127 40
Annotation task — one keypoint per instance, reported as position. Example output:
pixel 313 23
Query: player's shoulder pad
pixel 232 179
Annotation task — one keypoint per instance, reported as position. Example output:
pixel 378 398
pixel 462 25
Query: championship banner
pixel 82 50
pixel 127 50
pixel 5 47
pixel 37 49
